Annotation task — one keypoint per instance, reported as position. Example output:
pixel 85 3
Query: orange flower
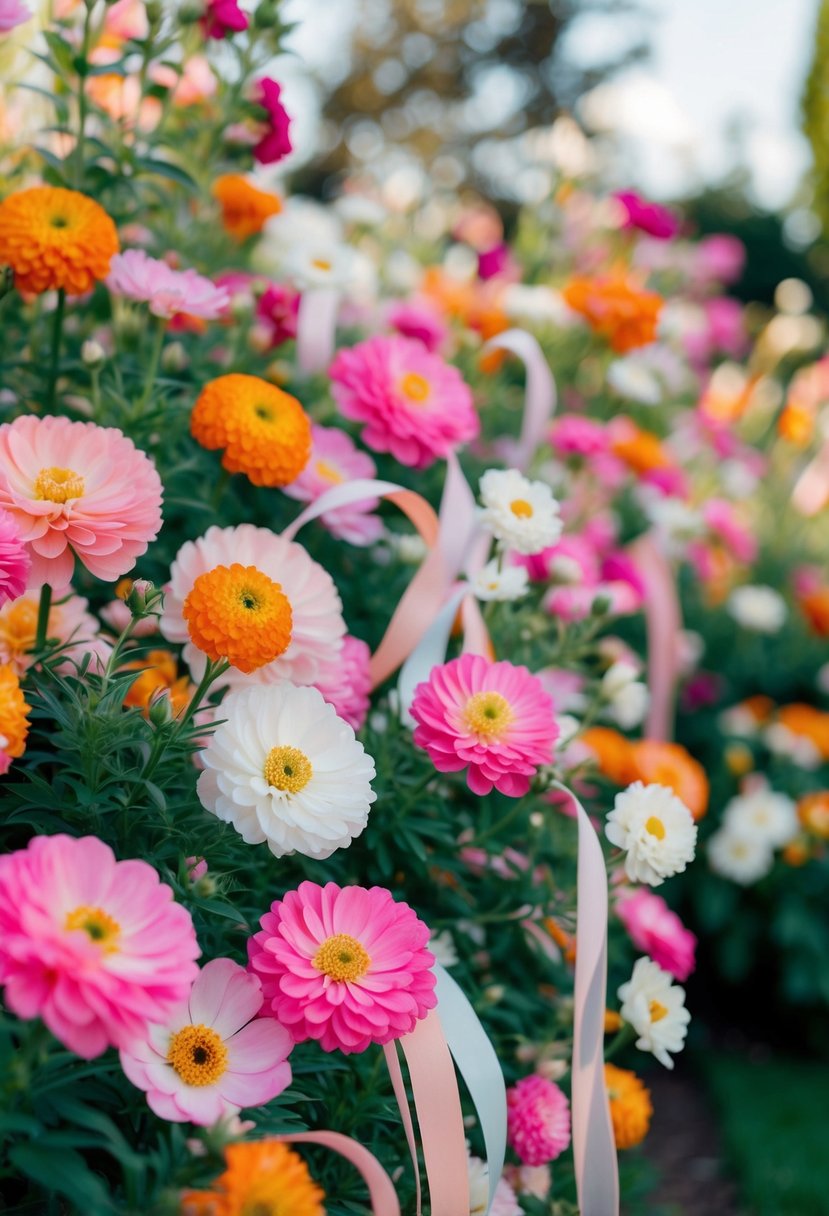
pixel 630 1106
pixel 815 607
pixel 245 208
pixel 55 238
pixel 616 307
pixel 159 677
pixel 671 765
pixel 809 723
pixel 759 707
pixel 612 1021
pixel 796 424
pixel 613 752
pixel 796 853
pixel 14 725
pixel 262 1176
pixel 265 433
pixel 813 810
pixel 641 450
pixel 564 940
pixel 239 614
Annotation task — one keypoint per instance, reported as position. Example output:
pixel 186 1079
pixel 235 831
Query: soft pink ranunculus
pixel 348 688
pixel 420 320
pixel 12 14
pixel 658 931
pixel 167 292
pixel 127 19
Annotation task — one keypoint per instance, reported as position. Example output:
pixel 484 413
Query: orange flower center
pixel 287 769
pixel 58 485
pixel 98 925
pixel 656 827
pixel 321 263
pixel 488 715
pixel 239 614
pixel 342 958
pixel 657 1011
pixel 198 1055
pixel 416 387
pixel 521 508
pixel 326 470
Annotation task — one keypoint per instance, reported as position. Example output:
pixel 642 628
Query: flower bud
pixel 92 353
pixel 174 357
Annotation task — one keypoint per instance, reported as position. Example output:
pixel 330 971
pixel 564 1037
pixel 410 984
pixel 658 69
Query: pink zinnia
pixel 538 1120
pixel 651 218
pixel 15 562
pixel 95 947
pixel 70 623
pixel 721 517
pixel 347 966
pixel 572 435
pixel 75 488
pixel 277 310
pixel 12 14
pixel 335 460
pixel 413 404
pixel 223 17
pixel 658 932
pixel 420 320
pixel 493 719
pixel 167 292
pixel 348 686
pixel 275 141
pixel 212 1055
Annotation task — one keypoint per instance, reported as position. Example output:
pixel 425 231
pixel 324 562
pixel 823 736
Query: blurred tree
pixel 815 105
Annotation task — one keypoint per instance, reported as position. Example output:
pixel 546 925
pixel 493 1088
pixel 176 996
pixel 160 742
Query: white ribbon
pixel 539 395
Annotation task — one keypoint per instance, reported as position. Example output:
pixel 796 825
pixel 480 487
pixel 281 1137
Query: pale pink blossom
pixel 136 276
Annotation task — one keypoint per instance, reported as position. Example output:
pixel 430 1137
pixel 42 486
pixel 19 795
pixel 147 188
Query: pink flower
pixel 95 947
pixel 721 517
pixel 573 559
pixel 278 309
pixel 572 435
pixel 335 460
pixel 15 562
pixel 347 966
pixel 538 1120
pixel 137 276
pixel 495 262
pixel 127 19
pixel 420 320
pixel 69 622
pixel 75 488
pixel 493 719
pixel 223 17
pixel 414 404
pixel 12 14
pixel 196 868
pixel 718 258
pixel 275 140
pixel 212 1055
pixel 348 687
pixel 189 85
pixel 656 930
pixel 656 221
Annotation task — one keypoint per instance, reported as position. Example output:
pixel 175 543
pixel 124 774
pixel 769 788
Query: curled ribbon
pixel 382 1194
pixel 539 395
pixel 316 329
pixel 663 619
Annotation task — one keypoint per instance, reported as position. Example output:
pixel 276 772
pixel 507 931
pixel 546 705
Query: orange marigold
pixel 630 1106
pixel 613 752
pixel 239 614
pixel 615 306
pixel 815 607
pixel 813 811
pixel 809 723
pixel 261 1176
pixel 641 450
pixel 14 725
pixel 796 424
pixel 54 238
pixel 671 765
pixel 265 433
pixel 245 207
pixel 159 677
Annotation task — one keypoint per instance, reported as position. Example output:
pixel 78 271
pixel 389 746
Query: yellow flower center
pixel 342 957
pixel 656 827
pixel 288 769
pixel 657 1011
pixel 98 925
pixel 521 508
pixel 321 263
pixel 58 485
pixel 198 1055
pixel 239 614
pixel 488 714
pixel 416 387
pixel 326 470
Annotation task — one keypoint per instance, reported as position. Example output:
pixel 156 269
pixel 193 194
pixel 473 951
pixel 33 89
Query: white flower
pixel 319 265
pixel 360 209
pixel 493 583
pixel 656 830
pixel 761 609
pixel 742 859
pixel 627 699
pixel 764 815
pixel 283 768
pixel 442 946
pixel 631 378
pixel 504 1202
pixel 675 521
pixel 522 514
pixel 797 748
pixel 536 304
pixel 738 720
pixel 655 1007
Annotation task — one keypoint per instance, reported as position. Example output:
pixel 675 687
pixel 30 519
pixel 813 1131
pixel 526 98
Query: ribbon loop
pixel 316 329
pixel 384 1201
pixel 663 618
pixel 539 395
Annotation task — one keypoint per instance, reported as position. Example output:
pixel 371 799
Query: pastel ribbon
pixel 811 491
pixel 539 395
pixel 663 619
pixel 383 1197
pixel 316 329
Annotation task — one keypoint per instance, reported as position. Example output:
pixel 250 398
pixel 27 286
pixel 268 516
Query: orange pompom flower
pixel 808 723
pixel 261 1176
pixel 613 752
pixel 641 450
pixel 617 308
pixel 245 207
pixel 159 678
pixel 813 812
pixel 630 1106
pixel 14 725
pixel 670 764
pixel 239 614
pixel 815 607
pixel 56 239
pixel 265 433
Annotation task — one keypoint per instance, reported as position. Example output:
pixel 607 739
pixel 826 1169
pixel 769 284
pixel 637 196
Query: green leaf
pixel 165 168
pixel 65 1171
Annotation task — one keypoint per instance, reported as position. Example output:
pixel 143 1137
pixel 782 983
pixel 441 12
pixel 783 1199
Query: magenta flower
pixel 212 1055
pixel 348 686
pixel 538 1120
pixel 651 218
pixel 275 139
pixel 15 562
pixel 658 932
pixel 335 460
pixel 495 261
pixel 137 276
pixel 223 17
pixel 573 435
pixel 95 947
pixel 347 966
pixel 277 309
pixel 412 403
pixel 493 719
pixel 12 14
pixel 419 319
pixel 722 519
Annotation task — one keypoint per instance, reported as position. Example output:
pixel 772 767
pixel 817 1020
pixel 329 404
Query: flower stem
pixel 622 1039
pixel 78 166
pixel 43 617
pixel 54 355
pixel 502 823
pixel 155 359
pixel 212 672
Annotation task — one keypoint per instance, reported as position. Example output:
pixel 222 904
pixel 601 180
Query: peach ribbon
pixel 663 619
pixel 811 491
pixel 539 395
pixel 382 1194
pixel 316 329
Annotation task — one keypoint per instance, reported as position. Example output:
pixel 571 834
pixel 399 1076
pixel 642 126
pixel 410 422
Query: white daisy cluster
pixel 655 1007
pixel 753 826
pixel 758 608
pixel 626 698
pixel 656 830
pixel 505 583
pixel 522 514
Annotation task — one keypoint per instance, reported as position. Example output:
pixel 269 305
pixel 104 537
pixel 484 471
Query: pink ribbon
pixel 811 492
pixel 663 619
pixel 316 329
pixel 382 1194
pixel 539 394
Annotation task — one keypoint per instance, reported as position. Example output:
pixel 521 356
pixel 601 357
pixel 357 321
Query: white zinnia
pixel 493 583
pixel 522 514
pixel 742 859
pixel 762 814
pixel 656 830
pixel 655 1007
pixel 283 768
pixel 759 608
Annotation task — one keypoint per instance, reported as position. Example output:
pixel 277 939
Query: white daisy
pixel 492 583
pixel 762 814
pixel 442 946
pixel 655 1007
pixel 283 768
pixel 656 830
pixel 758 608
pixel 797 748
pixel 633 379
pixel 626 697
pixel 742 859
pixel 321 264
pixel 522 514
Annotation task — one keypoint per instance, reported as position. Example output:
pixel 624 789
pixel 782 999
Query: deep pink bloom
pixel 413 404
pixel 656 930
pixel 15 562
pixel 224 1001
pixel 348 688
pixel 168 292
pixel 721 517
pixel 419 319
pixel 277 309
pixel 670 481
pixel 334 460
pixel 538 1120
pixel 571 560
pixel 493 719
pixel 223 17
pixel 572 435
pixel 702 689
pixel 347 966
pixel 95 947
pixel 647 217
pixel 12 14
pixel 494 261
pixel 275 140
pixel 77 488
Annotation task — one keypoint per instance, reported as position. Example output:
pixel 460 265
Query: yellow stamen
pixel 488 714
pixel 326 470
pixel 521 508
pixel 320 263
pixel 415 387
pixel 656 827
pixel 288 769
pixel 58 485
pixel 98 925
pixel 657 1011
pixel 342 958
pixel 198 1055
